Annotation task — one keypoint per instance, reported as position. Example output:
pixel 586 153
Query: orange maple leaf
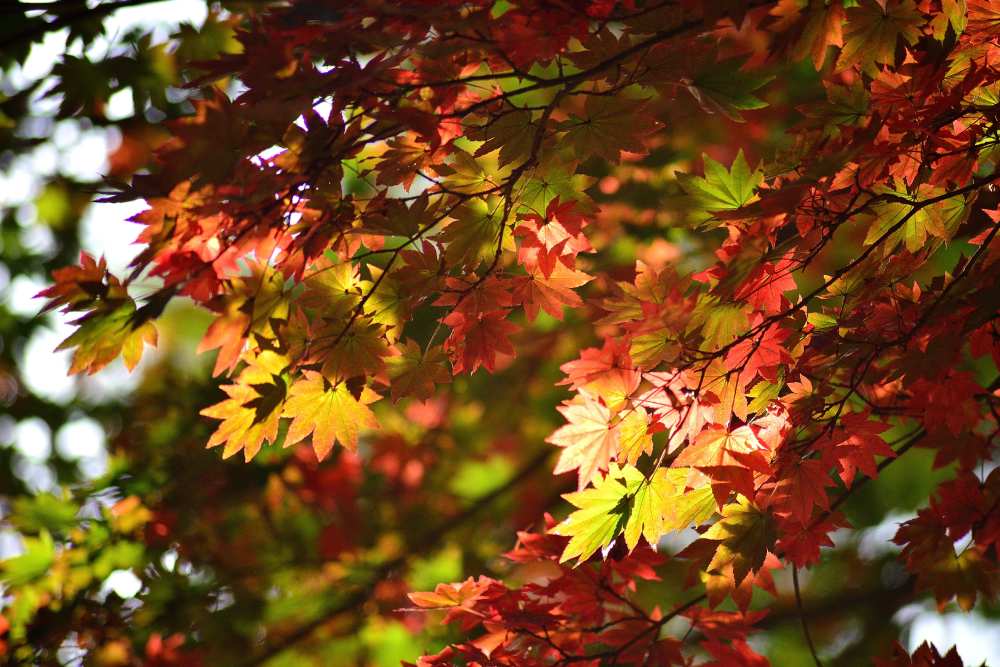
pixel 714 447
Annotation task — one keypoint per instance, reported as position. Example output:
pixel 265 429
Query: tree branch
pixel 805 626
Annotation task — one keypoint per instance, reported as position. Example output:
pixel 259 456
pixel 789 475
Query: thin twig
pixel 802 617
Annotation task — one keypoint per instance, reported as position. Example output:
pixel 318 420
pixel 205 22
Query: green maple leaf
pixel 722 189
pixel 627 501
pixel 385 305
pixel 512 134
pixel 550 179
pixel 32 564
pixel 912 230
pixel 719 323
pixel 649 349
pixel 727 88
pixel 333 291
pixel 954 14
pixel 744 535
pixel 873 33
pixel 472 237
pixel 473 173
pixel 602 513
pixel 684 508
pixel 646 512
pixel 939 220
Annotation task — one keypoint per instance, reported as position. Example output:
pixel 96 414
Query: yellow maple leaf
pixel 330 413
pixel 252 413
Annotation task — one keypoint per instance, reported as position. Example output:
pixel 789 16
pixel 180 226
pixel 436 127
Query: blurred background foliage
pixel 126 542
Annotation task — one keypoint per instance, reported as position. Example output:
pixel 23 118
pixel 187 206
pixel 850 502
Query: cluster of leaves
pixel 400 194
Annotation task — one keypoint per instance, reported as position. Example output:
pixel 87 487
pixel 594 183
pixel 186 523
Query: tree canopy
pixel 515 332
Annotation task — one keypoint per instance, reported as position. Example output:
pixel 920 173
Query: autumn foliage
pixel 379 202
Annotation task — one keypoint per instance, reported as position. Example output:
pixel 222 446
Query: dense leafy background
pixel 132 543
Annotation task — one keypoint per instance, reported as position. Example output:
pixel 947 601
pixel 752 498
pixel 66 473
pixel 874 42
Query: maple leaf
pixel 452 595
pixel 609 125
pixel 475 233
pixel 983 20
pixel 765 287
pixel 330 413
pixel 728 389
pixel 726 87
pixel 589 440
pixel 400 218
pixel 600 517
pixel 415 373
pixel 387 303
pixel 722 189
pixel 627 502
pixel 715 446
pixel 905 223
pixel 764 355
pixel 80 287
pixel 856 444
pixel 649 499
pixel 684 507
pixel 954 14
pixel 476 341
pixel 227 333
pixel 112 325
pixel 736 653
pixel 251 415
pixel 743 536
pixel 623 501
pixel 551 293
pixel 348 349
pixel 555 179
pixel 254 305
pixel 634 436
pixel 512 134
pixel 823 28
pixel 719 323
pixel 801 486
pixel 101 337
pixel 774 427
pixel 873 30
pixel 470 174
pixel 948 402
pixel 460 600
pixel 925 655
pixel 676 407
pixel 651 287
pixel 334 291
pixel 801 544
pixel 652 348
pixel 605 372
pixel 929 552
